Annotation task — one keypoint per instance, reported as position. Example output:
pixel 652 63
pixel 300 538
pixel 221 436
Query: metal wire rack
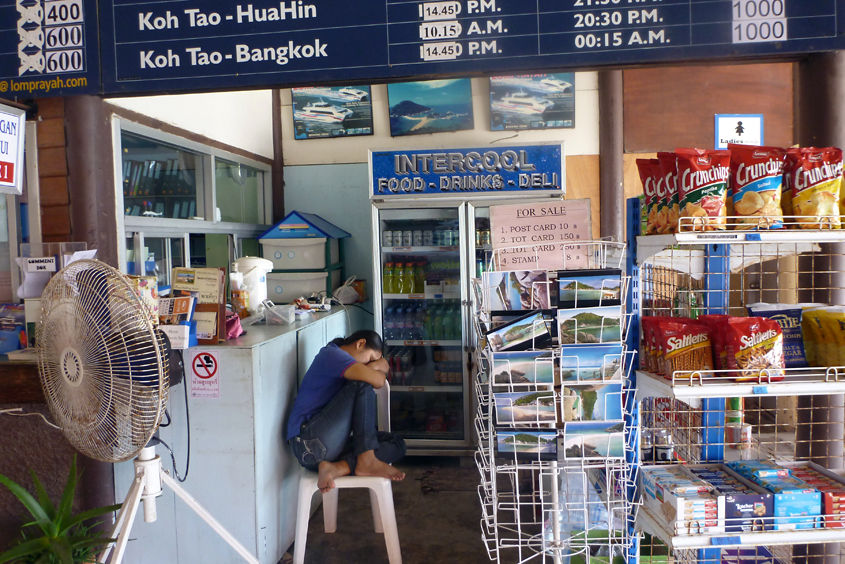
pixel 788 415
pixel 552 490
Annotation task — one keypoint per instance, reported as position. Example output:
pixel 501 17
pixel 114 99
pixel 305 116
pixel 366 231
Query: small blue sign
pixel 468 172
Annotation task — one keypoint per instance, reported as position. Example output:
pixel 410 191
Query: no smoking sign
pixel 205 372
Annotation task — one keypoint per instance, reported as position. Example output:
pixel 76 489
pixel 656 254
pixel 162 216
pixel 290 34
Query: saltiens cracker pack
pixel 817 188
pixel 703 188
pixel 756 184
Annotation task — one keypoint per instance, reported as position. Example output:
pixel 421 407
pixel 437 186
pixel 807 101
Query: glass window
pixel 240 192
pixel 159 180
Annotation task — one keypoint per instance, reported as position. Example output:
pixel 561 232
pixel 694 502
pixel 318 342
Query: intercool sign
pixel 468 172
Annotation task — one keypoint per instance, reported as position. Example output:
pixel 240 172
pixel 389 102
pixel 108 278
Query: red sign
pixel 7 172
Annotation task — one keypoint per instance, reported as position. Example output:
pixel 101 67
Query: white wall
pixel 240 119
pixel 581 140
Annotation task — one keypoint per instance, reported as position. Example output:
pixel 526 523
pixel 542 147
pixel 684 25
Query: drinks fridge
pixel 426 250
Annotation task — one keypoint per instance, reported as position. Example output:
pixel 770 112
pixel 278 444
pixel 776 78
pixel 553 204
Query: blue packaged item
pixel 789 319
pixel 754 469
pixel 786 485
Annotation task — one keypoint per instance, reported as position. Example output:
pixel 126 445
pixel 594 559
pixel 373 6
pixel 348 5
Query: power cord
pixel 188 420
pixel 12 410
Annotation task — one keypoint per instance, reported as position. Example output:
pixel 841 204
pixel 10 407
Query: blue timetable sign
pixel 468 172
pixel 48 48
pixel 160 46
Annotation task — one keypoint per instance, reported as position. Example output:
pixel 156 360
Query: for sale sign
pixel 11 149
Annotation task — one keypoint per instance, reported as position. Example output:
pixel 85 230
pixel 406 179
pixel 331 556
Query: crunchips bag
pixel 756 185
pixel 669 172
pixel 817 187
pixel 790 161
pixel 755 349
pixel 703 188
pixel 644 168
pixel 662 220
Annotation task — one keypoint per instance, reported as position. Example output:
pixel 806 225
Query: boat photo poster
pixel 432 106
pixel 532 101
pixel 331 111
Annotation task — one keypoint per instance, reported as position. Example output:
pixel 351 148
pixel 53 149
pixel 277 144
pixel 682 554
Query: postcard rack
pixel 704 416
pixel 553 424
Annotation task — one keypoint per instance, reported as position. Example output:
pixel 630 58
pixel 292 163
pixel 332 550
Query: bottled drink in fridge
pixel 448 330
pixel 428 333
pixel 411 322
pixel 389 322
pixel 420 321
pixel 437 323
pixel 398 277
pixel 387 278
pixel 408 279
pixel 458 322
pixel 419 278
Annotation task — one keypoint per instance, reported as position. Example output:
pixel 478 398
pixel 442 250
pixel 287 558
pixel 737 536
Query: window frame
pixel 136 227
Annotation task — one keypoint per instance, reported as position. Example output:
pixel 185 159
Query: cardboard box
pixel 795 507
pixel 831 486
pixel 746 508
pixel 684 502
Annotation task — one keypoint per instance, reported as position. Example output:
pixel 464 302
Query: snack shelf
pixel 768 244
pixel 649 523
pixel 420 249
pixel 433 343
pixel 702 384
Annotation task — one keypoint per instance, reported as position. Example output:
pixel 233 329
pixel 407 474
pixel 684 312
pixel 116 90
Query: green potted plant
pixel 56 536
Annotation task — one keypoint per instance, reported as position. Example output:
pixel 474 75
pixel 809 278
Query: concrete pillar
pixel 611 150
pixel 91 186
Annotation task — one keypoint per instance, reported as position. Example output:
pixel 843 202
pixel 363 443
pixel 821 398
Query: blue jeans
pixel 326 435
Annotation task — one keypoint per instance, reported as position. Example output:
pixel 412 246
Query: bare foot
pixel 328 471
pixel 369 465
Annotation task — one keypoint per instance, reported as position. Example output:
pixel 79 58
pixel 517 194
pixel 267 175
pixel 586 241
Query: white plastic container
pixel 284 287
pixel 254 271
pixel 280 315
pixel 300 254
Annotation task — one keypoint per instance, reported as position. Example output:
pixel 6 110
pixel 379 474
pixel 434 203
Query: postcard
pixel 526 444
pixel 527 332
pixel 592 402
pixel 589 288
pixel 530 407
pixel 594 439
pixel 523 368
pixel 591 362
pixel 517 290
pixel 590 325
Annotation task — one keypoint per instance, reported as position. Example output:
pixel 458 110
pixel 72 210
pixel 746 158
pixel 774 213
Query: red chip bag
pixel 703 177
pixel 686 348
pixel 716 323
pixel 669 172
pixel 651 204
pixel 755 349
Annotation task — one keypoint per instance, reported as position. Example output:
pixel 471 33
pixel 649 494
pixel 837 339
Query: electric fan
pixel 104 370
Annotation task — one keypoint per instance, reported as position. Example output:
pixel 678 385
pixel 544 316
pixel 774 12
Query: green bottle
pixel 408 279
pixel 387 278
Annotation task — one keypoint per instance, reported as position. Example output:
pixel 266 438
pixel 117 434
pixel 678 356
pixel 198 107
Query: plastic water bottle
pixel 419 325
pixel 458 322
pixel 448 330
pixel 389 322
pixel 428 334
pixel 411 322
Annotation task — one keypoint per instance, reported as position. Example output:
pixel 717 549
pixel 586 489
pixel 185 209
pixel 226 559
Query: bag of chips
pixel 816 181
pixel 703 188
pixel 756 185
pixel 662 219
pixel 669 172
pixel 788 316
pixel 755 349
pixel 686 348
pixel 716 323
pixel 790 161
pixel 644 168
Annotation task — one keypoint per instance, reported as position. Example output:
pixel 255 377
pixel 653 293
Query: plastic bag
pixel 346 294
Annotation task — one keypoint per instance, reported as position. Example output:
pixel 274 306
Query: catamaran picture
pixel 324 112
pixel 350 93
pixel 556 85
pixel 522 103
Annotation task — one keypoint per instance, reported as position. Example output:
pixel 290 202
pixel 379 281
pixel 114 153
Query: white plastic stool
pixel 381 498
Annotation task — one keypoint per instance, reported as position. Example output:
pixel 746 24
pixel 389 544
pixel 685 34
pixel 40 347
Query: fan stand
pixel 149 476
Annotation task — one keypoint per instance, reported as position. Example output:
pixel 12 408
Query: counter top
pixel 261 333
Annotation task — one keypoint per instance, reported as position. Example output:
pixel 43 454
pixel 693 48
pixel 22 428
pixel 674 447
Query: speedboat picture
pixel 523 103
pixel 323 111
pixel 353 94
pixel 556 84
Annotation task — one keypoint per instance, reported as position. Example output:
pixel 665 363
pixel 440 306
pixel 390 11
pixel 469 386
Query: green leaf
pixel 43 499
pixel 25 549
pixel 90 514
pixel 88 542
pixel 66 504
pixel 45 558
pixel 61 547
pixel 26 499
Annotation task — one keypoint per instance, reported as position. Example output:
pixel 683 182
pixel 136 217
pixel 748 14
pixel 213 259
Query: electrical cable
pixel 13 409
pixel 169 420
pixel 188 420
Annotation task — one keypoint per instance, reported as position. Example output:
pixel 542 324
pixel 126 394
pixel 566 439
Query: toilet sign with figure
pixel 204 373
pixel 738 129
pixel 541 236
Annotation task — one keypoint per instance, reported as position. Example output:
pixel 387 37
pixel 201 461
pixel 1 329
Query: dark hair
pixel 373 339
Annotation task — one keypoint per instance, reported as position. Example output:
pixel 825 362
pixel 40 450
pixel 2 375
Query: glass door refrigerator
pixel 419 311
pixel 431 236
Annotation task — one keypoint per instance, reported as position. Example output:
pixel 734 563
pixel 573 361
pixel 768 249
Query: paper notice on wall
pixel 204 371
pixel 541 236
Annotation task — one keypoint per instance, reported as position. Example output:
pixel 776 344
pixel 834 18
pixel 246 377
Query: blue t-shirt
pixel 321 383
